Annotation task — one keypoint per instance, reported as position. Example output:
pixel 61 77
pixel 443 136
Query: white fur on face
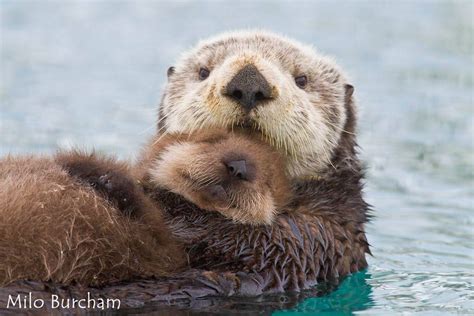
pixel 305 124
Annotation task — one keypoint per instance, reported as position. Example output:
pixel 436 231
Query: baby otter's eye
pixel 301 81
pixel 203 73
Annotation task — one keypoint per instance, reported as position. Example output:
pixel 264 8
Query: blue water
pixel 91 73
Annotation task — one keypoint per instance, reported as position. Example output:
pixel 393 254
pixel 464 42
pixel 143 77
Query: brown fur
pixel 62 218
pixel 53 227
pixel 320 236
pixel 190 164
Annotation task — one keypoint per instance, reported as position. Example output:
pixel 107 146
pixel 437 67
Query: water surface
pixel 90 73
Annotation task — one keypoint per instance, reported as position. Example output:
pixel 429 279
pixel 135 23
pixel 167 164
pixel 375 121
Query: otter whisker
pixel 341 129
pixel 160 136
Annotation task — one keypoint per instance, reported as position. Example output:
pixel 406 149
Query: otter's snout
pixel 238 169
pixel 249 87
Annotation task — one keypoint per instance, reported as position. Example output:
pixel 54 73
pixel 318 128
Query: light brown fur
pixel 195 162
pixel 320 236
pixel 55 228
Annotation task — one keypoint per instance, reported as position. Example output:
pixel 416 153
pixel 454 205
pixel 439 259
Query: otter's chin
pixel 254 210
pixel 258 213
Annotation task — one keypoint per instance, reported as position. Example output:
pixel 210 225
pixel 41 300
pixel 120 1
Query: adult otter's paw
pixel 195 283
pixel 240 177
pixel 111 179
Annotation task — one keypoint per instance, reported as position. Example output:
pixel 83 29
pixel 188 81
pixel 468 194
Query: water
pixel 91 73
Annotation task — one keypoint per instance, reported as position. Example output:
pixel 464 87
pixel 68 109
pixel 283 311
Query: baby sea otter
pixel 240 177
pixel 83 218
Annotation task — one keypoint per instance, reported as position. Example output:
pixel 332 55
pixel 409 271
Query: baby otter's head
pixel 293 98
pixel 242 178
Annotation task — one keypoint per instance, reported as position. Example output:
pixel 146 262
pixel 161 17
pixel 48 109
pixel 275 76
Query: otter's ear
pixel 170 71
pixel 350 110
pixel 349 90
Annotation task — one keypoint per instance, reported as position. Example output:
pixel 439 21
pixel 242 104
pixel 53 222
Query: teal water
pixel 90 73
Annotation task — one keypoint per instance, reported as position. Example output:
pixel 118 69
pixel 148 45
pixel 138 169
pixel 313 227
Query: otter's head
pixel 241 178
pixel 295 99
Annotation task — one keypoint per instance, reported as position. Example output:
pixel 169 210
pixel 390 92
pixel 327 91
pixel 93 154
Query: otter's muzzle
pixel 249 88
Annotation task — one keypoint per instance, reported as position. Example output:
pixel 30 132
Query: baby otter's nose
pixel 249 87
pixel 237 168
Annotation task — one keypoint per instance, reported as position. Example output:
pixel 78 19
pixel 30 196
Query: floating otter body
pixel 301 104
pixel 94 223
pixel 308 240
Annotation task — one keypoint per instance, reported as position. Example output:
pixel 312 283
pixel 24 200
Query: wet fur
pixel 320 236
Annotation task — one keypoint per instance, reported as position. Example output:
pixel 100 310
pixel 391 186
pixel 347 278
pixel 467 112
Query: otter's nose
pixel 238 169
pixel 249 87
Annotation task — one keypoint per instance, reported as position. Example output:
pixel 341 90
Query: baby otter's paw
pixel 108 177
pixel 120 190
pixel 240 178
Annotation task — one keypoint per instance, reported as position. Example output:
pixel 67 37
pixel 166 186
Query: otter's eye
pixel 203 73
pixel 301 81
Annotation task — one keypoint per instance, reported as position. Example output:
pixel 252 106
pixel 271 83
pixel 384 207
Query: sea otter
pixel 300 103
pixel 81 218
pixel 234 174
pixel 297 100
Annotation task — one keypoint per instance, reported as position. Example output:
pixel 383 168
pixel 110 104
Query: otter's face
pixel 280 89
pixel 227 174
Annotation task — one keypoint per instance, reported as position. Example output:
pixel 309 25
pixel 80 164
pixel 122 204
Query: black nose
pixel 237 168
pixel 249 87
